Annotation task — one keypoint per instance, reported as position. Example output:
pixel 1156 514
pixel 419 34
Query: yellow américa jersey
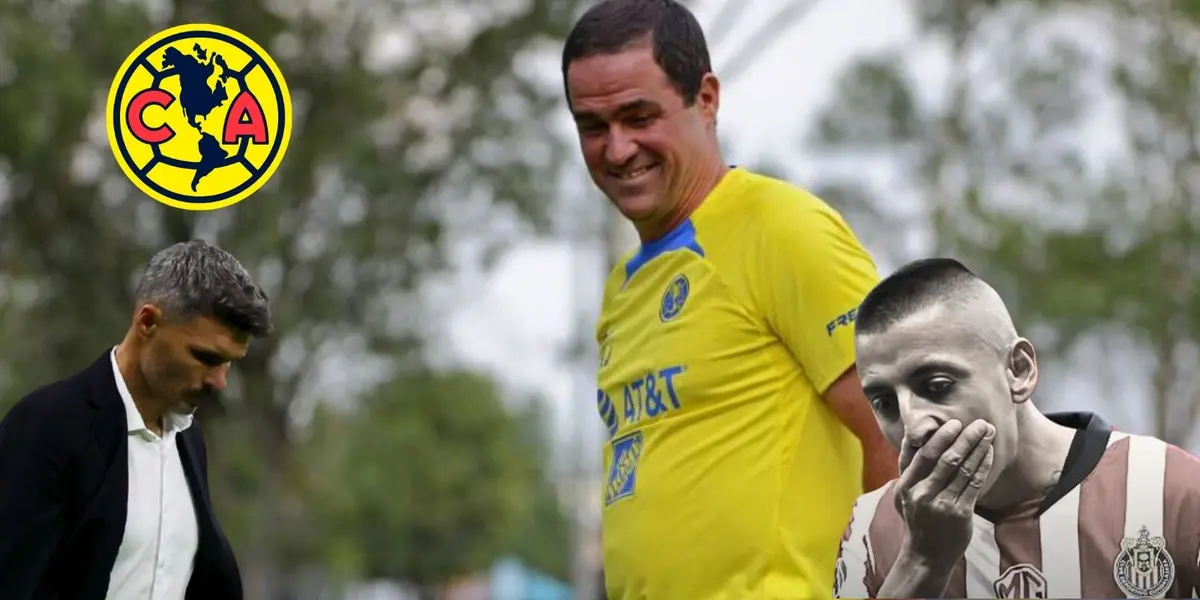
pixel 727 476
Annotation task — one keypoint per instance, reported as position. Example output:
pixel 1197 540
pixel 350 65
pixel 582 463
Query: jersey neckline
pixel 683 235
pixel 1087 450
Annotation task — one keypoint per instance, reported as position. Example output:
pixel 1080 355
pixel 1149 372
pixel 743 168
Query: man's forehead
pixel 633 56
pixel 927 332
pixel 215 336
pixel 603 82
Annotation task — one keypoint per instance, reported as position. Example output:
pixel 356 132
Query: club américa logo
pixel 199 117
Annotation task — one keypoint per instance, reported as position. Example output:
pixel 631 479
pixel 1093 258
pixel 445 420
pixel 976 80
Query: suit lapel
pixel 109 425
pixel 109 429
pixel 216 572
pixel 193 470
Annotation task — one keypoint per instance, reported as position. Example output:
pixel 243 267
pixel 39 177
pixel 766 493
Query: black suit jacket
pixel 64 488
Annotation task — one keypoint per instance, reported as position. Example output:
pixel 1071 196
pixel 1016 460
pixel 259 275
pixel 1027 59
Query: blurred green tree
pixel 1061 167
pixel 438 461
pixel 390 154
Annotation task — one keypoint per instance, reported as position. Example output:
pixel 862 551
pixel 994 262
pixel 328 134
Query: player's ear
pixel 708 98
pixel 147 319
pixel 1022 370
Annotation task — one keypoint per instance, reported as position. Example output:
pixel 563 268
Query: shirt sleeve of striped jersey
pixel 812 273
pixel 1195 591
pixel 852 574
pixel 1196 583
pixel 1180 479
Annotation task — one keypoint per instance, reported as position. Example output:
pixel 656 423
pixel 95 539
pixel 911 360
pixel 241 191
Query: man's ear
pixel 708 98
pixel 147 320
pixel 1022 370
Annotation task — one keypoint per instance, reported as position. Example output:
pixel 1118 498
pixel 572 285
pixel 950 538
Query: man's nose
pixel 217 378
pixel 620 148
pixel 921 418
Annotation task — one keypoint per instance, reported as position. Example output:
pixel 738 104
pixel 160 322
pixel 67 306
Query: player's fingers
pixel 925 458
pixel 950 463
pixel 961 479
pixel 971 494
pixel 907 451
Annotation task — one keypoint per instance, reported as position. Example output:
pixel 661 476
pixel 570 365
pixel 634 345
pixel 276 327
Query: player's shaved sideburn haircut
pixel 197 279
pixel 673 32
pixel 913 287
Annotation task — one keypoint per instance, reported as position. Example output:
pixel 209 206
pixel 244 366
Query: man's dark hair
pixel 673 32
pixel 913 287
pixel 198 279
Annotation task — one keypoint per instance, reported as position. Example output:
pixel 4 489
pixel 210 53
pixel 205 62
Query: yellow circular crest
pixel 199 117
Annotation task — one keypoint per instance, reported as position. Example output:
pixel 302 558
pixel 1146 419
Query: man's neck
pixel 1042 450
pixel 691 196
pixel 152 414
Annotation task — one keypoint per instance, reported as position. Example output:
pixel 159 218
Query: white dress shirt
pixel 159 547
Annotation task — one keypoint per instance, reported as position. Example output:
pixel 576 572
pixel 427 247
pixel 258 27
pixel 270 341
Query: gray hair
pixel 198 279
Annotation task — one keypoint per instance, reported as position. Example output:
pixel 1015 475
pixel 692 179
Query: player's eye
pixel 208 358
pixel 884 404
pixel 938 386
pixel 591 126
pixel 639 120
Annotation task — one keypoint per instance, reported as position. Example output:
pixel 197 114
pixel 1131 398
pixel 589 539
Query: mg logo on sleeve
pixel 1021 581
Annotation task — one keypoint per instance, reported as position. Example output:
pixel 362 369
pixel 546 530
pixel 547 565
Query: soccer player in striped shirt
pixel 996 499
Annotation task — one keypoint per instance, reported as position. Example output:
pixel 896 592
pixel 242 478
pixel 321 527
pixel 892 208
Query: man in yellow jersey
pixel 740 436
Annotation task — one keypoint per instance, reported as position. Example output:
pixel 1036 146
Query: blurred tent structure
pixel 512 580
pixel 507 579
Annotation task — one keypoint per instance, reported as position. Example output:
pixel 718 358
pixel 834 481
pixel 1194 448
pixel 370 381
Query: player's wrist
pixel 917 575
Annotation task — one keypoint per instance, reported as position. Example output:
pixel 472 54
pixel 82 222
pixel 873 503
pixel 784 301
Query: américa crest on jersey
pixel 199 117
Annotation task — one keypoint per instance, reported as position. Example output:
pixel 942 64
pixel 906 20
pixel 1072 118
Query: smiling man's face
pixel 641 140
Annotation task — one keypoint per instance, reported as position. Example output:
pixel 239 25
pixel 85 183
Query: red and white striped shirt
pixel 1127 526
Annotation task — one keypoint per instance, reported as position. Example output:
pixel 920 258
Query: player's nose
pixel 620 149
pixel 218 378
pixel 921 419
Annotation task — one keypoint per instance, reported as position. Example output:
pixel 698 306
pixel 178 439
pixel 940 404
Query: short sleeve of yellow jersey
pixel 810 273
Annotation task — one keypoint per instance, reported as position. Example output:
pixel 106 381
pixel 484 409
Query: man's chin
pixel 186 406
pixel 637 209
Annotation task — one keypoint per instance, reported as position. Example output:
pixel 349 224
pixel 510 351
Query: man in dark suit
pixel 104 475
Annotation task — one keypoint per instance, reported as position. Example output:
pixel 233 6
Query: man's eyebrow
pixel 631 106
pixel 870 388
pixel 939 365
pixel 204 350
